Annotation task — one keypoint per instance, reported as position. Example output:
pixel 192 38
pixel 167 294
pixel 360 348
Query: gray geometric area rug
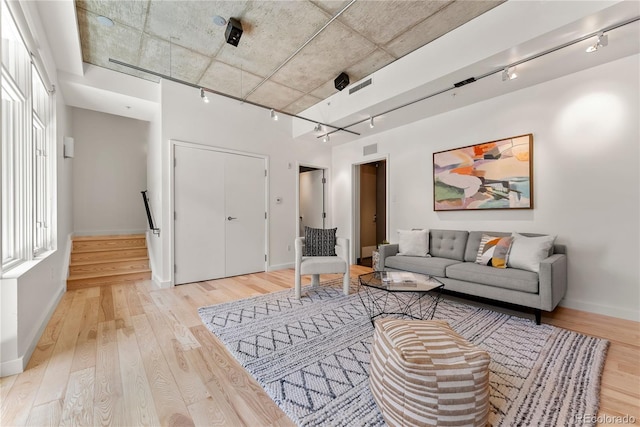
pixel 312 357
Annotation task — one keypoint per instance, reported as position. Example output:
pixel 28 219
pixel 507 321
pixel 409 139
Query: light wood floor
pixel 134 355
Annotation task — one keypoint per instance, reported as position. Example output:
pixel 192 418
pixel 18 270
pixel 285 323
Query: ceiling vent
pixel 359 86
pixel 367 150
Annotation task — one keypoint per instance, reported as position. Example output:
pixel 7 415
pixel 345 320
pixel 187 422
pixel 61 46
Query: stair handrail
pixel 152 227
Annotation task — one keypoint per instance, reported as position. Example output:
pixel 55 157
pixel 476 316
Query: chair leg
pixel 298 286
pixel 315 280
pixel 346 281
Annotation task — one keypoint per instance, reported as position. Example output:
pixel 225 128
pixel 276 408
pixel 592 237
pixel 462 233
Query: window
pixel 27 151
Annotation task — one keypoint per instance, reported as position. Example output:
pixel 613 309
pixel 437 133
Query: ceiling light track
pixel 513 65
pixel 293 55
pixel 235 98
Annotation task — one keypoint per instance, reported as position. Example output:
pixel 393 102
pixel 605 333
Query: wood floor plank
pixel 136 391
pixel 106 304
pixel 170 406
pixel 121 312
pixel 85 352
pixel 47 414
pixel 52 330
pixel 181 331
pixel 108 401
pixel 190 385
pixel 133 301
pixel 207 412
pixel 77 409
pixel 53 386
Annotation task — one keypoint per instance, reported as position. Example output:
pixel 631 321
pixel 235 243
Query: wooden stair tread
pixel 108 261
pixel 106 276
pixel 84 251
pixel 108 237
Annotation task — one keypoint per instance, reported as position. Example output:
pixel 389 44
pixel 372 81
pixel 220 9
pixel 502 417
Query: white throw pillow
pixel 413 243
pixel 527 252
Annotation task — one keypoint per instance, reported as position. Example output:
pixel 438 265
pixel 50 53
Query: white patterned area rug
pixel 312 357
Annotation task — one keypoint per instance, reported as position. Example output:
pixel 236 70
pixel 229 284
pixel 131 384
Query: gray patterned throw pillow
pixel 319 242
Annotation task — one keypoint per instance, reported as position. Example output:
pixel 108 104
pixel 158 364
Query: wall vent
pixel 367 150
pixel 360 86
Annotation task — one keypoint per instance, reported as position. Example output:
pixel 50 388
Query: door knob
pixel 229 218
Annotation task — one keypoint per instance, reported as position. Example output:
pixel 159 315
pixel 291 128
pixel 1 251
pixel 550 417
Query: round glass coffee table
pixel 399 293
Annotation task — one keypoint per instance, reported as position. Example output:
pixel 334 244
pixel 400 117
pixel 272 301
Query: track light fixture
pixel 602 41
pixel 318 128
pixel 204 97
pixel 326 138
pixel 509 74
pixel 371 123
pixel 274 115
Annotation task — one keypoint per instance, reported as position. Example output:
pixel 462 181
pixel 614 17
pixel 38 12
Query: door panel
pixel 199 224
pixel 311 199
pixel 245 205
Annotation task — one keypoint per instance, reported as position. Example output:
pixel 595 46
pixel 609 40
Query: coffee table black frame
pixel 411 295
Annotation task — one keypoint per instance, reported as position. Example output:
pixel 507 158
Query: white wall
pixel 233 125
pixel 586 179
pixel 110 171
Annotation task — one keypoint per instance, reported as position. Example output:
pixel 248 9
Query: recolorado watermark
pixel 605 419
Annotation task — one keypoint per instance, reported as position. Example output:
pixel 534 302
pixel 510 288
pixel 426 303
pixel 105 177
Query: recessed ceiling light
pixel 219 20
pixel 103 20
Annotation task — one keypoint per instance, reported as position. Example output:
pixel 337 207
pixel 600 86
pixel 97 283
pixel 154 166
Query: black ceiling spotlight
pixel 233 32
pixel 341 81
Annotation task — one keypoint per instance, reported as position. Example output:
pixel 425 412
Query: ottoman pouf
pixel 424 374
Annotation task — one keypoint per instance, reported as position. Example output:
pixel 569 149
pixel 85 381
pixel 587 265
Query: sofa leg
pixel 538 316
pixel 346 281
pixel 315 280
pixel 298 286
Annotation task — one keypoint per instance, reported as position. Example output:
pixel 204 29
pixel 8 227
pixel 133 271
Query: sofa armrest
pixel 342 249
pixel 553 281
pixel 385 251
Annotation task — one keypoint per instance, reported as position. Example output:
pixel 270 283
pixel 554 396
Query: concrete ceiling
pixel 179 39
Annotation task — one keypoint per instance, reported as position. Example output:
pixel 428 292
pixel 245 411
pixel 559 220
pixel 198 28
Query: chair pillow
pixel 527 252
pixel 319 242
pixel 413 243
pixel 494 251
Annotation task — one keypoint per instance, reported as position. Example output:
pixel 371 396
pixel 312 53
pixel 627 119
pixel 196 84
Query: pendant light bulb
pixel 204 97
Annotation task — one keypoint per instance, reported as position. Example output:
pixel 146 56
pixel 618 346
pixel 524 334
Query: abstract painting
pixel 491 175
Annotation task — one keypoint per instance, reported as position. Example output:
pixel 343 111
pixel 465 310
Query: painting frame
pixel 494 175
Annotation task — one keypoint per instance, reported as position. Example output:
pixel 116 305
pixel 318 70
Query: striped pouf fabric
pixel 424 374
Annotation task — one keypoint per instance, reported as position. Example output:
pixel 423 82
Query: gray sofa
pixel 452 261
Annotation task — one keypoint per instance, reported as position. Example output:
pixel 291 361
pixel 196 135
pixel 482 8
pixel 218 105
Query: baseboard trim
pixel 160 284
pixel 605 310
pixel 281 266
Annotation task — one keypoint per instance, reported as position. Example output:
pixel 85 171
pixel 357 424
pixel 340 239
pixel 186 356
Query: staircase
pixel 108 260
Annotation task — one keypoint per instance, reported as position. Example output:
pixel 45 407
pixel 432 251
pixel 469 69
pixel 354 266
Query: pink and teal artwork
pixel 491 175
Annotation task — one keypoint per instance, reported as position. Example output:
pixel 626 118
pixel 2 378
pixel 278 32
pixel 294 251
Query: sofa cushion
pixel 429 266
pixel 449 244
pixel 494 251
pixel 508 278
pixel 319 242
pixel 473 243
pixel 527 252
pixel 413 242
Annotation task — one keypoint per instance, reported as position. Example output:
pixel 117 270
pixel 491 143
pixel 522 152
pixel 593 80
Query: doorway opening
pixel 371 212
pixel 312 195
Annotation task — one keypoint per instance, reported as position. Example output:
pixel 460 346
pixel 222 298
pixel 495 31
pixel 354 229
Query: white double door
pixel 220 214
